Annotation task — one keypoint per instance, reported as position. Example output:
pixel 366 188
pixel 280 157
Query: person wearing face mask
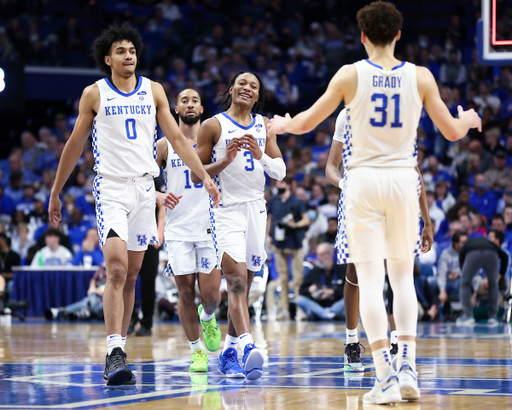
pixel 286 223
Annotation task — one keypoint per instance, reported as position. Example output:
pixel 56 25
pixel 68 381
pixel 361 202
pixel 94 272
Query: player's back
pixel 244 179
pixel 383 116
pixel 124 131
pixel 190 219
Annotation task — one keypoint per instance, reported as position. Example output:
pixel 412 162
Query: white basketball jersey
pixel 383 116
pixel 244 179
pixel 124 131
pixel 189 221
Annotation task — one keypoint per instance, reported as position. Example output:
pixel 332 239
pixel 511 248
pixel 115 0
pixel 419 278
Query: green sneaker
pixel 199 361
pixel 211 332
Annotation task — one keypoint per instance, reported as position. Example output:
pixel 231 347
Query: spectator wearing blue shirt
pixel 77 228
pixel 14 189
pixel 287 220
pixel 485 201
pixel 26 203
pixel 90 253
pixel 6 203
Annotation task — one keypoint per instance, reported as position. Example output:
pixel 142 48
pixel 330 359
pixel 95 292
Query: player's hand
pixel 251 144
pixel 54 208
pixel 443 296
pixel 470 117
pixel 233 147
pixel 278 124
pixel 427 238
pixel 212 190
pixel 169 200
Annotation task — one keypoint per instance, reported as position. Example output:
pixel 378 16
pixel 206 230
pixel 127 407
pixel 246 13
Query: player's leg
pixel 352 355
pixel 148 273
pixel 392 326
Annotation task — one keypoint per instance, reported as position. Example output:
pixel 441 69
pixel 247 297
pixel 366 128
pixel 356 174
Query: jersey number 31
pixel 382 109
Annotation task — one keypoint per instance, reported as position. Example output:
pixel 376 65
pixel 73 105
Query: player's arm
pixel 332 169
pixel 89 104
pixel 271 160
pixel 209 132
pixel 179 142
pixel 168 200
pixel 342 86
pixel 161 152
pixel 427 236
pixel 160 224
pixel 453 129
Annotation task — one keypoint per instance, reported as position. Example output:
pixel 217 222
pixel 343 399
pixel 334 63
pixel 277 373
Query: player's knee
pixel 187 295
pixel 116 272
pixel 238 285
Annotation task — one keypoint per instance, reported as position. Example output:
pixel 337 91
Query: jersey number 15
pixel 383 111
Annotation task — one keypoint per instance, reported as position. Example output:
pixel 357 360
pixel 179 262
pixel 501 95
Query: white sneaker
pixel 492 322
pixel 465 321
pixel 408 381
pixel 384 392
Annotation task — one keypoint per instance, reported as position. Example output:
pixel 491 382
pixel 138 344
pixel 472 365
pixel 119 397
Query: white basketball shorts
pixel 381 210
pixel 239 230
pixel 186 258
pixel 127 207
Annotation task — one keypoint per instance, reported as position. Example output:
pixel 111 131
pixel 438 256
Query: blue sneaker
pixel 228 364
pixel 252 362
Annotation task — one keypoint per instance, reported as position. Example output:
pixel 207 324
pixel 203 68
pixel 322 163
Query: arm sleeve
pixel 340 127
pixel 274 167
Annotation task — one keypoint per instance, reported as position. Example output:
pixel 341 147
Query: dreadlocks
pixel 258 107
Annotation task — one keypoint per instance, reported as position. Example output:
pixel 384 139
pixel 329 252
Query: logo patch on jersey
pixel 209 231
pixel 141 98
pixel 142 240
pixel 141 93
pixel 256 260
pixel 205 263
pixel 258 127
pixel 110 99
pixel 229 132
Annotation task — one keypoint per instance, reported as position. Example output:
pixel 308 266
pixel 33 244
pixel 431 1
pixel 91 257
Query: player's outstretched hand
pixel 250 143
pixel 232 148
pixel 278 124
pixel 54 208
pixel 212 190
pixel 470 117
pixel 427 239
pixel 169 200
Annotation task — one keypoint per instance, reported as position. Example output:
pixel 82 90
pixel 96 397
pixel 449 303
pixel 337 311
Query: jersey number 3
pixel 383 111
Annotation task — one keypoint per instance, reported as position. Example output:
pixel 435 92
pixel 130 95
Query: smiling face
pixel 189 107
pixel 246 90
pixel 122 59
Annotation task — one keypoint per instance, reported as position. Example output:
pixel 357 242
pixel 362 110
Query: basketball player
pixel 384 99
pixel 351 292
pixel 188 239
pixel 122 111
pixel 238 149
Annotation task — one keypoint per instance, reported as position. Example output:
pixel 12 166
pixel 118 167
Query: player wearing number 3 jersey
pixel 239 149
pixel 122 112
pixel 384 98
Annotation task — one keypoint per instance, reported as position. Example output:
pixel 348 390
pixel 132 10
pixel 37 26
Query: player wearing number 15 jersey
pixel 122 112
pixel 384 98
pixel 238 149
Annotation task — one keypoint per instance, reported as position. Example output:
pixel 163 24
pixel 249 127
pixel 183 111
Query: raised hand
pixel 470 117
pixel 278 124
pixel 232 148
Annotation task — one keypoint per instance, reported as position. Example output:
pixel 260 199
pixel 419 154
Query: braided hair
pixel 258 107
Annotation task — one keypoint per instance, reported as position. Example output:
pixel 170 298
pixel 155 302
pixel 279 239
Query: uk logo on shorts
pixel 205 263
pixel 256 260
pixel 142 240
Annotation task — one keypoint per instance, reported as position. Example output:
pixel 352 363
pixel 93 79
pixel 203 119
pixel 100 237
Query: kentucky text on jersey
pixel 387 82
pixel 128 109
pixel 175 163
pixel 261 141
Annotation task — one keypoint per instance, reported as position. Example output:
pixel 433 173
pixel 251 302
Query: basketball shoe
pixel 408 382
pixel 228 364
pixel 385 391
pixel 252 362
pixel 116 370
pixel 199 361
pixel 353 362
pixel 211 332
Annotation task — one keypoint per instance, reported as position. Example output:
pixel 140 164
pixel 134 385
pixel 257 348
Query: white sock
pixel 123 343
pixel 205 317
pixel 394 337
pixel 230 342
pixel 197 345
pixel 114 341
pixel 245 339
pixel 382 362
pixel 352 335
pixel 407 351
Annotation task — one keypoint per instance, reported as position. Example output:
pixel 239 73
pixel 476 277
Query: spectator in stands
pixel 53 254
pixel 77 228
pixel 435 170
pixel 60 126
pixel 444 198
pixel 492 137
pixel 483 199
pixel 317 196
pixel 26 203
pixel 332 230
pixel 507 216
pixel 90 306
pixel 437 215
pixel 14 190
pixel 321 293
pixel 322 144
pixel 486 99
pixel 307 163
pixel 319 171
pixel 6 203
pixel 476 254
pixel 30 149
pixel 330 209
pixel 453 73
pixel 505 200
pixel 90 253
pixel 21 241
pixel 448 268
pixel 498 177
pixel 47 158
pixel 486 159
pixel 8 259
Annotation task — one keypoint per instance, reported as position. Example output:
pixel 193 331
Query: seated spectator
pixel 321 293
pixel 505 200
pixel 21 241
pixel 26 203
pixel 317 227
pixel 307 163
pixel 319 171
pixel 453 72
pixel 467 226
pixel 77 228
pixel 53 254
pixel 498 177
pixel 444 199
pixel 478 224
pixel 486 160
pixel 90 253
pixel 448 269
pixel 438 174
pixel 31 151
pixel 486 99
pixel 483 199
pixel 322 144
pixel 437 215
pixel 507 217
pixel 317 196
pixel 330 209
pixel 332 230
pixel 90 306
pixel 14 190
pixel 166 296
pixel 6 204
pixel 476 254
pixel 8 259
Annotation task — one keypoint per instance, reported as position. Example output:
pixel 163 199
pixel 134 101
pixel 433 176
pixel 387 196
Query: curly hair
pixel 258 106
pixel 380 22
pixel 103 44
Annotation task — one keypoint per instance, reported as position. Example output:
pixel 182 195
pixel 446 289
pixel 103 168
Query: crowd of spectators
pixel 295 46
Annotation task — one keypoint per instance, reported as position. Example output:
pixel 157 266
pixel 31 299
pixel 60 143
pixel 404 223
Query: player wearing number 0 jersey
pixel 188 239
pixel 383 97
pixel 239 149
pixel 122 112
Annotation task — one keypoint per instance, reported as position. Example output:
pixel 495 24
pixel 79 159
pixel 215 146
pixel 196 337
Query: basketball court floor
pixel 59 366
